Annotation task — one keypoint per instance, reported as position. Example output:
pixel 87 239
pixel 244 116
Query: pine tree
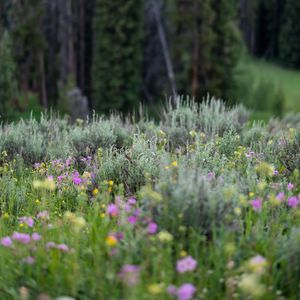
pixel 193 45
pixel 206 47
pixel 8 84
pixel 290 35
pixel 117 57
pixel 227 48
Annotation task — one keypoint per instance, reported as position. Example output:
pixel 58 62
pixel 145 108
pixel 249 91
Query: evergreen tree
pixel 117 57
pixel 290 35
pixel 193 45
pixel 227 47
pixel 206 46
pixel 8 84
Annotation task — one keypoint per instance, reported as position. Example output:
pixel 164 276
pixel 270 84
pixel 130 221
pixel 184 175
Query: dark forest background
pixel 76 56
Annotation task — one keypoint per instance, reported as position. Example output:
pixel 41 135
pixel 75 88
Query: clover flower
pixel 186 264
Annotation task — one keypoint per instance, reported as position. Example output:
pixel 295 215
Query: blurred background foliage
pixel 120 53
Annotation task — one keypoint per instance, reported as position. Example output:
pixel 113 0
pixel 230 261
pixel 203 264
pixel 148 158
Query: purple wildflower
pixel 23 238
pixel 132 220
pixel 50 245
pixel 27 220
pixel 6 241
pixel 131 201
pixel 293 202
pixel 130 275
pixel 290 186
pixel 256 204
pixel 280 196
pixel 63 247
pixel 112 210
pixel 186 264
pixel 185 291
pixel 35 236
pixel 152 228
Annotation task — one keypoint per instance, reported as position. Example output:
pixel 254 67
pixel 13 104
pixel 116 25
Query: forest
pixel 76 56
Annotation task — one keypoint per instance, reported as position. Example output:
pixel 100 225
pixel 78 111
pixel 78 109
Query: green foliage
pixel 117 55
pixel 206 46
pixel 290 33
pixel 8 84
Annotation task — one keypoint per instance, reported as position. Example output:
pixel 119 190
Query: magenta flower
pixel 76 180
pixel 132 220
pixel 23 238
pixel 152 228
pixel 256 204
pixel 27 220
pixel 6 241
pixel 129 275
pixel 186 264
pixel 293 202
pixel 112 210
pixel 131 201
pixel 290 186
pixel 185 291
pixel 35 236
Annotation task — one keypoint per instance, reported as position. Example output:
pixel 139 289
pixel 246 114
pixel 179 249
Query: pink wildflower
pixel 293 202
pixel 132 220
pixel 152 228
pixel 23 238
pixel 27 220
pixel 44 215
pixel 280 196
pixel 290 186
pixel 112 210
pixel 62 247
pixel 256 204
pixel 185 291
pixel 6 241
pixel 186 264
pixel 35 236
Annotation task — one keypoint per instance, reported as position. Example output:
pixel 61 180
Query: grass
pixel 262 83
pixel 202 205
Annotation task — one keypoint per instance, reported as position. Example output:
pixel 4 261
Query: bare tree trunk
pixel 166 53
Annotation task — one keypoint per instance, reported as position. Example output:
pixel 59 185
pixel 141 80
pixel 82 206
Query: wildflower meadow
pixel 203 204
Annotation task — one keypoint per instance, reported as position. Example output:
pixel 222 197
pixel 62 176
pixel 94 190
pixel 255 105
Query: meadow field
pixel 201 205
pixel 268 89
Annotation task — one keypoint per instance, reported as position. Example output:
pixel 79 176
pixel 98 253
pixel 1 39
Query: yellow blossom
pixel 174 164
pixel 111 241
pixel 155 288
pixel 165 236
pixel 95 192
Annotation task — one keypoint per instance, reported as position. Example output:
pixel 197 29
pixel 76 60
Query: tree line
pixel 119 53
